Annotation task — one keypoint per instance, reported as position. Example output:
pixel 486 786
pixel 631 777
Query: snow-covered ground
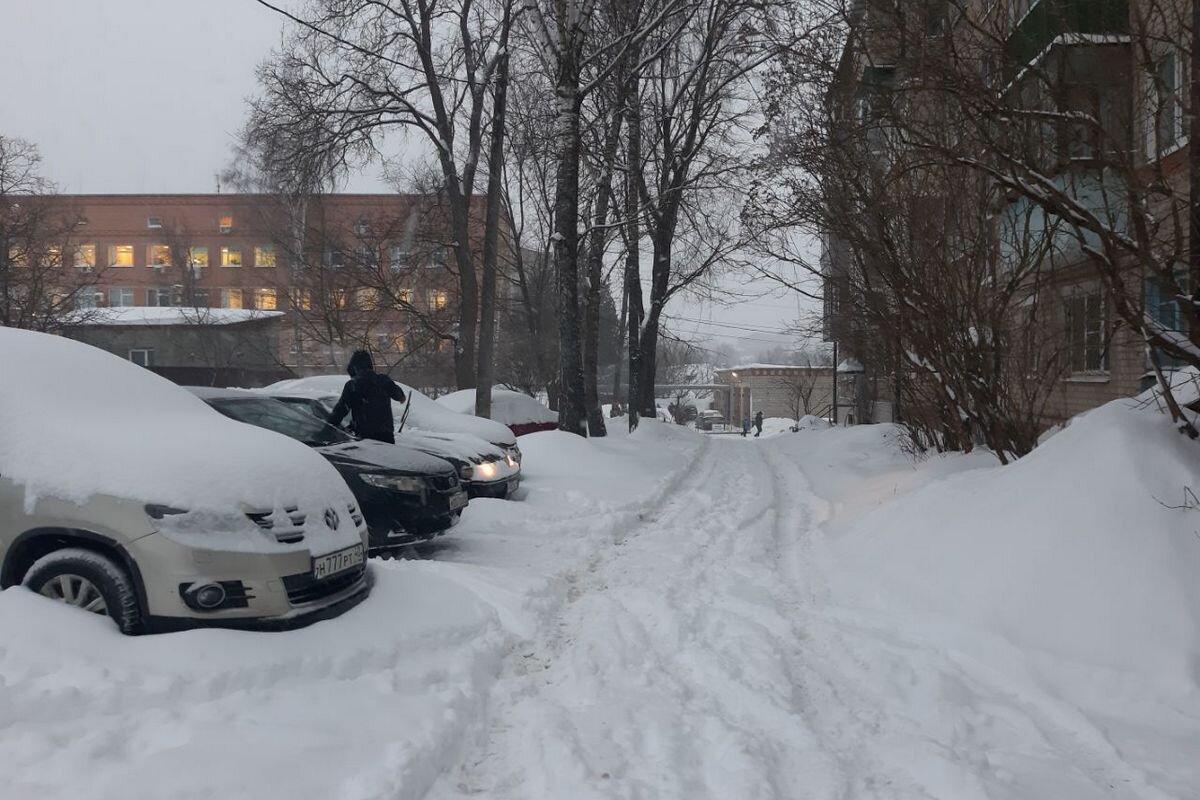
pixel 671 615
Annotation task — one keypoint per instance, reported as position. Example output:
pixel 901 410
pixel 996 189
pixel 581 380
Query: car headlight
pixel 487 470
pixel 397 483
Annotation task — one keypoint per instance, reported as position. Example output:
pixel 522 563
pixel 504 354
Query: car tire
pixel 87 580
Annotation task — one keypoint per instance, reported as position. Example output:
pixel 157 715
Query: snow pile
pixel 423 413
pixel 77 421
pixel 511 408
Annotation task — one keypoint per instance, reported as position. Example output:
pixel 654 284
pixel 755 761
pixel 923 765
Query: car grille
pixel 288 530
pixel 355 514
pixel 444 483
pixel 304 588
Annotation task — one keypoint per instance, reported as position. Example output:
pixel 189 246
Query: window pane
pixel 158 255
pixel 199 256
pixel 85 255
pixel 264 299
pixel 119 298
pixel 120 255
pixel 264 255
pixel 231 298
pixel 231 256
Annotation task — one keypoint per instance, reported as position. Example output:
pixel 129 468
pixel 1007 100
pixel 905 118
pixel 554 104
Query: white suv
pixel 125 495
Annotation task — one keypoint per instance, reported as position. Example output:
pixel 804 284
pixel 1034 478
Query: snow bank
pixel 77 421
pixel 1069 551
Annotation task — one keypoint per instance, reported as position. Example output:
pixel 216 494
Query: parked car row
pixel 167 507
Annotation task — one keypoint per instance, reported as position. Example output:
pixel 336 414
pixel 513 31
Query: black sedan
pixel 405 495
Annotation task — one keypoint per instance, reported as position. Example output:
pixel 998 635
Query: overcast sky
pixel 129 96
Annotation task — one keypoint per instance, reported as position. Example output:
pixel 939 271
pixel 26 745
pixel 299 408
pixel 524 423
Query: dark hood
pixel 360 364
pixel 371 456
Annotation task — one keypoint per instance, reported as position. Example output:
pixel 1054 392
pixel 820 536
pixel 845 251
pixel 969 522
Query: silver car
pixel 135 500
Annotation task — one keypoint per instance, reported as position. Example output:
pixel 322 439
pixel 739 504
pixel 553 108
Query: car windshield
pixel 309 405
pixel 275 416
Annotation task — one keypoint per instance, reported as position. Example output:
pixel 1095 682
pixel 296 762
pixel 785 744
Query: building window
pixel 54 256
pixel 301 299
pixel 154 223
pixel 337 298
pixel 367 299
pixel 160 297
pixel 264 255
pixel 334 258
pixel 198 257
pixel 231 256
pixel 437 258
pixel 198 298
pixel 158 255
pixel 265 299
pixel 437 299
pixel 225 223
pixel 399 256
pixel 1086 340
pixel 404 298
pixel 231 298
pixel 1168 109
pixel 143 357
pixel 120 255
pixel 1162 306
pixel 120 297
pixel 88 299
pixel 85 256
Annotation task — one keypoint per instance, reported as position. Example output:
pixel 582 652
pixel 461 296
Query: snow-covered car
pixel 125 495
pixel 406 495
pixel 484 469
pixel 520 412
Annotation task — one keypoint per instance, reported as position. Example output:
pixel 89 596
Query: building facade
pixel 777 390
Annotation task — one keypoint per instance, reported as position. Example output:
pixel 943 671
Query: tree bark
pixel 633 255
pixel 571 412
pixel 491 232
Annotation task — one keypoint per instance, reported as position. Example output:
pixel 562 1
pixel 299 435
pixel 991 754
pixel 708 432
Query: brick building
pixel 346 271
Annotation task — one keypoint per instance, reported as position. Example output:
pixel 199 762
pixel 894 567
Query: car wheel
pixel 87 580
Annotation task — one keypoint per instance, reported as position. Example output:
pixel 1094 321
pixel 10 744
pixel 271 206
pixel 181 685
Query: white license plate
pixel 458 501
pixel 342 560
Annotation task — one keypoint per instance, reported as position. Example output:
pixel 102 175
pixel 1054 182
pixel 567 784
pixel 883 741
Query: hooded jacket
pixel 367 397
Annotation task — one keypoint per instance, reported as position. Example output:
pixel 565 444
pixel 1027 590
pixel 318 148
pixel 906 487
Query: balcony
pixel 1049 19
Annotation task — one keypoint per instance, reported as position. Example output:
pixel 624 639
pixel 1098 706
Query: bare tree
pixel 45 283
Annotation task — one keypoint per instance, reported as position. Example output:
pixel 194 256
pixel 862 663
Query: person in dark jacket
pixel 758 425
pixel 368 397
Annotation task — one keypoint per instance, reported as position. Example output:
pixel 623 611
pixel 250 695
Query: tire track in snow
pixel 670 671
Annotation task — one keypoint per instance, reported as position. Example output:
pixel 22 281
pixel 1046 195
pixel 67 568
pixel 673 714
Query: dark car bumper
pixel 398 519
pixel 500 490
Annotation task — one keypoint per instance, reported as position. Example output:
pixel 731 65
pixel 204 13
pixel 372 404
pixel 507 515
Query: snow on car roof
pixel 509 407
pixel 425 414
pixel 79 421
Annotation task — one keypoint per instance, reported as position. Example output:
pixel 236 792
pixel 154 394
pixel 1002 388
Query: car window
pixel 275 416
pixel 320 409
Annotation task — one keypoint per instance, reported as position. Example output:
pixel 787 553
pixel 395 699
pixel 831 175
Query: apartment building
pixel 346 271
pixel 1108 79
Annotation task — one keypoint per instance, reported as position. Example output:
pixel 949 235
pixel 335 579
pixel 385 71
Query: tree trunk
pixel 491 233
pixel 571 410
pixel 595 265
pixel 622 322
pixel 633 235
pixel 660 281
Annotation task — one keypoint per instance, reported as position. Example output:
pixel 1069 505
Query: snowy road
pixel 702 657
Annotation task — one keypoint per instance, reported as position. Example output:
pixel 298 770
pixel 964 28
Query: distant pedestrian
pixel 758 425
pixel 368 397
pixel 745 426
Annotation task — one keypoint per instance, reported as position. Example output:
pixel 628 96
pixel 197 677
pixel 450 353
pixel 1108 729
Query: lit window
pixel 225 223
pixel 85 255
pixel 158 255
pixel 404 298
pixel 120 255
pixel 120 298
pixel 198 256
pixel 231 257
pixel 367 299
pixel 154 223
pixel 231 298
pixel 54 256
pixel 337 298
pixel 143 357
pixel 437 299
pixel 17 257
pixel 301 298
pixel 264 255
pixel 265 299
pixel 1086 340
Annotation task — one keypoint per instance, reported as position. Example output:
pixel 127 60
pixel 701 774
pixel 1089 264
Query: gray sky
pixel 129 96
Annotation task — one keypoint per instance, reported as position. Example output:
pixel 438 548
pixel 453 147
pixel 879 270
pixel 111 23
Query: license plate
pixel 342 560
pixel 458 501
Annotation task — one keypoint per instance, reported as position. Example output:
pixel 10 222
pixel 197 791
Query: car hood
pixel 457 446
pixel 371 456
